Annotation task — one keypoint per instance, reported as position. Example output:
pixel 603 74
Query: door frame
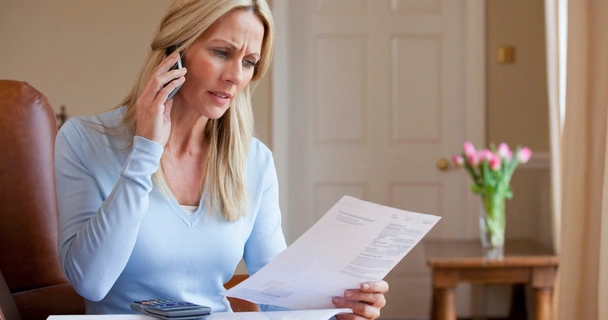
pixel 475 99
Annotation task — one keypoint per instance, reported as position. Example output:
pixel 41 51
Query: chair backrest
pixel 28 208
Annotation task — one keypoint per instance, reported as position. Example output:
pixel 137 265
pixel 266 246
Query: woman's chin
pixel 215 113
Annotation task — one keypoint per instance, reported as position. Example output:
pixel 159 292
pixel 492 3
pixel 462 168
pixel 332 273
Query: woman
pixel 163 197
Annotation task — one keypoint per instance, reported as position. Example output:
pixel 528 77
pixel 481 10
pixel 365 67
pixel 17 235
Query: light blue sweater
pixel 121 240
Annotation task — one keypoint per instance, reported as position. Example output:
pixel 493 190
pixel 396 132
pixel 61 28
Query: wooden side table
pixel 454 261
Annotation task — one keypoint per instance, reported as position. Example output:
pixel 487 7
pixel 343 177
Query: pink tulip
pixel 473 159
pixel 510 155
pixel 495 163
pixel 524 155
pixel 503 150
pixel 469 148
pixel 458 160
pixel 486 155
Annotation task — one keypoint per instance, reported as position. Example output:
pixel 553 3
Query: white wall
pixel 81 54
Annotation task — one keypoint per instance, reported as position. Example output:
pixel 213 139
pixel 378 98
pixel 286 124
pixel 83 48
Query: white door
pixel 379 91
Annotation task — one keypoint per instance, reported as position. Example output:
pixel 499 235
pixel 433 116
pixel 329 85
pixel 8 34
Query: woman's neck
pixel 187 131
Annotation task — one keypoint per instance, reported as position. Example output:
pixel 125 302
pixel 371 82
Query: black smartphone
pixel 177 65
pixel 171 309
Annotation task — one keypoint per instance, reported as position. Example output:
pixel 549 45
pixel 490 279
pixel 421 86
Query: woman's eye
pixel 220 53
pixel 249 63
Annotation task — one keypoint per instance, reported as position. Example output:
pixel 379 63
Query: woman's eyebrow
pixel 225 42
pixel 233 46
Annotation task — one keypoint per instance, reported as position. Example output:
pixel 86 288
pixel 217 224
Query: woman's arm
pixel 266 239
pixel 97 235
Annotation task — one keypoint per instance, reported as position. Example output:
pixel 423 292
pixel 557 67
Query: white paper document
pixel 355 241
pixel 271 315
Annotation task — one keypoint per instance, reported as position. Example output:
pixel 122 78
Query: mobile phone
pixel 171 309
pixel 177 65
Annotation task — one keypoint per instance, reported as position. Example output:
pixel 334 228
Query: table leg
pixel 434 305
pixel 542 303
pixel 445 304
pixel 518 309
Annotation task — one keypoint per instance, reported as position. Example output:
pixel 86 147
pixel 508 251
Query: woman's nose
pixel 233 72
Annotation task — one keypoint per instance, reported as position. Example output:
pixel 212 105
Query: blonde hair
pixel 229 136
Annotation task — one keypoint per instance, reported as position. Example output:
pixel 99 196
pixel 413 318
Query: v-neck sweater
pixel 122 240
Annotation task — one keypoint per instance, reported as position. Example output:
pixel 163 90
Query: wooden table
pixel 454 261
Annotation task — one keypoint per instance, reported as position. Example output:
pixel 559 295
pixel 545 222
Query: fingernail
pixel 348 294
pixel 365 286
pixel 335 300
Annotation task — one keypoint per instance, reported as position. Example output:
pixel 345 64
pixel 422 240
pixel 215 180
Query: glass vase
pixel 492 223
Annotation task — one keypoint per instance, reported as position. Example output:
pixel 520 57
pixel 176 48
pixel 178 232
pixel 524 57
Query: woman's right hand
pixel 153 110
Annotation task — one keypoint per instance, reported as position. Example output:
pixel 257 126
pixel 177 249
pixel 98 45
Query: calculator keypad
pixel 165 303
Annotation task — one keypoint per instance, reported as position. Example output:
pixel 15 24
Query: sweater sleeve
pixel 266 240
pixel 97 235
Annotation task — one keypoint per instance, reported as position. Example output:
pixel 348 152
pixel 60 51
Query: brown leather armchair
pixel 28 209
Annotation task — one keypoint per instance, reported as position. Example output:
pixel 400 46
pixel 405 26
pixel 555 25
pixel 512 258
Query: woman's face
pixel 221 62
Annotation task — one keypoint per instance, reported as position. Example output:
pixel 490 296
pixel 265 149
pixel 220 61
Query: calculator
pixel 171 309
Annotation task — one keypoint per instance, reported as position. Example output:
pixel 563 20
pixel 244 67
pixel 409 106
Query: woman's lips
pixel 220 97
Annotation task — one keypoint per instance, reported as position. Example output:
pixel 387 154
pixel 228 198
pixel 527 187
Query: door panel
pixel 377 94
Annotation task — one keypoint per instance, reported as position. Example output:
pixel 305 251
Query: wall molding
pixel 539 161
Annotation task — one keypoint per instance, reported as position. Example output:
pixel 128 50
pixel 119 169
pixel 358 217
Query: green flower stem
pixel 494 205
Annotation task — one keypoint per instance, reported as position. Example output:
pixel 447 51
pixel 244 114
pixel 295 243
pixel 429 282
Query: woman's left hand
pixel 365 302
